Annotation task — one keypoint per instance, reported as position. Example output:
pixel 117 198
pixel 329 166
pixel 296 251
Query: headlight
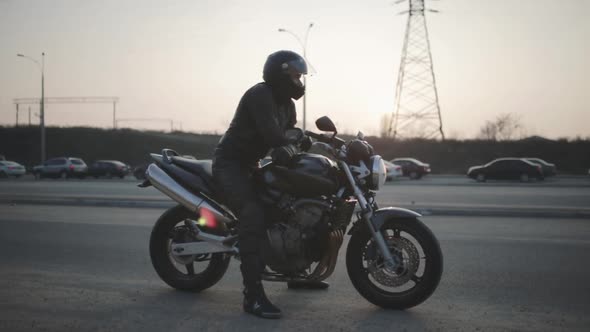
pixel 378 173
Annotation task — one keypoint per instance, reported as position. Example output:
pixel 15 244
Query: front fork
pixel 367 216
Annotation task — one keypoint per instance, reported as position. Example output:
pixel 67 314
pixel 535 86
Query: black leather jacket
pixel 259 124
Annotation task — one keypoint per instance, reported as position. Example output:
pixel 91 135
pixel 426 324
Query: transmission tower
pixel 416 110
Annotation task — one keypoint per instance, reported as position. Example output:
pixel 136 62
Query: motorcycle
pixel 392 258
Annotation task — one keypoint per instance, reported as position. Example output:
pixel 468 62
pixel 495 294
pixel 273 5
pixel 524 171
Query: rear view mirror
pixel 325 124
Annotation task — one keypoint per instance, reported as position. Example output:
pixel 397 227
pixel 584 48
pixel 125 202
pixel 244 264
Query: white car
pixel 393 170
pixel 11 168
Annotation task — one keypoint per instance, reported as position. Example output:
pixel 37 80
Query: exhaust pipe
pixel 164 183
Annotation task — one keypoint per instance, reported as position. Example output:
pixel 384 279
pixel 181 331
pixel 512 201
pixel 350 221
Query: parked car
pixel 139 171
pixel 393 170
pixel 11 168
pixel 108 168
pixel 507 169
pixel 411 167
pixel 63 167
pixel 549 169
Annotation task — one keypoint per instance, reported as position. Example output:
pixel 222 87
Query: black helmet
pixel 283 70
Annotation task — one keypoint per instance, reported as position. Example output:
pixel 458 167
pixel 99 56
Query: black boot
pixel 255 300
pixel 307 284
pixel 256 303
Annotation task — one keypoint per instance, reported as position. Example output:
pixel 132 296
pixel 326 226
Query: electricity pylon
pixel 416 110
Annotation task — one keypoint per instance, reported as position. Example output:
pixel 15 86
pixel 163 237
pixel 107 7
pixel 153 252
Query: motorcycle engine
pixel 299 241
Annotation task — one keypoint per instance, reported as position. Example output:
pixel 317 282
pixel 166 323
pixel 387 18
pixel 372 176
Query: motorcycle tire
pixel 430 264
pixel 162 261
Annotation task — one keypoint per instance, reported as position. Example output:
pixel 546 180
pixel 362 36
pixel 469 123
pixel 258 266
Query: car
pixel 413 168
pixel 62 167
pixel 393 170
pixel 139 171
pixel 507 169
pixel 549 169
pixel 11 168
pixel 108 168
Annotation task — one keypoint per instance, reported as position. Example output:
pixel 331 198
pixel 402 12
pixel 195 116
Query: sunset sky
pixel 191 61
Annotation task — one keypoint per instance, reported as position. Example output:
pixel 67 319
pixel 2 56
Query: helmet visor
pixel 297 65
pixel 295 76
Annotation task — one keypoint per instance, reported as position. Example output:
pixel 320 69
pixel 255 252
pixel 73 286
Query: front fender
pixel 384 214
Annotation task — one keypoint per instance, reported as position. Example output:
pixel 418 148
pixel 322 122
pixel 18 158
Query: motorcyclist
pixel 263 115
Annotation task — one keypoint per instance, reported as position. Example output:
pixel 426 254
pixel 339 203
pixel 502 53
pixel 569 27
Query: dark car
pixel 411 167
pixel 108 168
pixel 549 169
pixel 507 169
pixel 139 171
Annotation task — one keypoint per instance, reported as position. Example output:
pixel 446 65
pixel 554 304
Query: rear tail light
pixel 10 167
pixel 72 167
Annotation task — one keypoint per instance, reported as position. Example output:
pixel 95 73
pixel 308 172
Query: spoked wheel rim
pixel 409 255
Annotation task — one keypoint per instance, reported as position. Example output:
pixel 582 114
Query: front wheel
pixel 419 258
pixel 191 272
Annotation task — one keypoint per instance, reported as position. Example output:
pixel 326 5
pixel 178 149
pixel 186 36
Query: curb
pixel 425 211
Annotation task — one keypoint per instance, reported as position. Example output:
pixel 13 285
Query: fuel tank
pixel 307 175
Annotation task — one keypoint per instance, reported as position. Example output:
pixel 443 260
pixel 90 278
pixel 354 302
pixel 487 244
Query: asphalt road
pixel 81 268
pixel 436 195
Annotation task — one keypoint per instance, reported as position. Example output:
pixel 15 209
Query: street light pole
pixel 42 103
pixel 304 47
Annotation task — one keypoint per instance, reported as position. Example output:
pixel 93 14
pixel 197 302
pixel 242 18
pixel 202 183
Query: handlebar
pixel 332 140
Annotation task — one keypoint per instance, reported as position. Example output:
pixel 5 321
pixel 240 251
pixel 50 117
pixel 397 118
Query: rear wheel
pixel 524 177
pixel 420 264
pixel 63 175
pixel 414 175
pixel 191 272
pixel 481 177
pixel 3 175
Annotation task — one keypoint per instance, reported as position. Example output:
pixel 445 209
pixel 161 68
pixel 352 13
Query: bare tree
pixel 506 126
pixel 384 125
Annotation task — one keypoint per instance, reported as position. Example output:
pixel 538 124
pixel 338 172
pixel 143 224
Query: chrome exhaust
pixel 164 183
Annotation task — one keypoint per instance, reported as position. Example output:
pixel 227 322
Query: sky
pixel 190 61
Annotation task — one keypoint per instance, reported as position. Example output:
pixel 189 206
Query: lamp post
pixel 304 46
pixel 42 103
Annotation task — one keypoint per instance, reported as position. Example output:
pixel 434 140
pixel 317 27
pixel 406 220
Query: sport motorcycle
pixel 311 203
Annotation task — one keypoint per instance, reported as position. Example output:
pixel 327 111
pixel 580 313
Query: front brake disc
pixel 406 255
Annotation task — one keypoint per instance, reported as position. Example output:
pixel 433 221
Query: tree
pixel 384 125
pixel 506 126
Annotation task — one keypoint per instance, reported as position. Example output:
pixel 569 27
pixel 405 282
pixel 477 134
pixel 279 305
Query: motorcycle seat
pixel 198 167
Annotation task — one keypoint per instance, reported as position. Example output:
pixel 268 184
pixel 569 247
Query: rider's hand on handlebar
pixel 282 155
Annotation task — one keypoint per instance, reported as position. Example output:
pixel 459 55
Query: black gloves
pixel 305 143
pixel 282 155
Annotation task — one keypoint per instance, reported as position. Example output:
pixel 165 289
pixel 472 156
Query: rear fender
pixel 382 215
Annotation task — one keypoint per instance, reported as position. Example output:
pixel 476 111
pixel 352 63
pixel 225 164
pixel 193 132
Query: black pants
pixel 235 182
